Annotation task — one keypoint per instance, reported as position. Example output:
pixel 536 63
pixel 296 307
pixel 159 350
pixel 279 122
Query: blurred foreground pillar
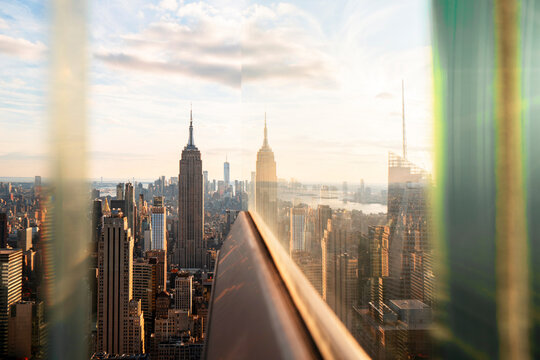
pixel 67 292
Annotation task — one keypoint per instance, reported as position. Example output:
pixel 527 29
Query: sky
pixel 327 73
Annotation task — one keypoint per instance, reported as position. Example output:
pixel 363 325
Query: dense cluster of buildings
pixel 153 269
pixel 154 249
pixel 23 217
pixel 374 271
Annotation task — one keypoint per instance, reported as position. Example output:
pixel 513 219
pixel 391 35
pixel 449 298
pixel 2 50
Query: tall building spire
pixel 403 118
pixel 265 142
pixel 190 141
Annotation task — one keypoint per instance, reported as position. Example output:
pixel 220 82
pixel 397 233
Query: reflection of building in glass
pixel 339 268
pixel 407 186
pixel 191 252
pixel 310 266
pixel 266 184
pixel 324 213
pixel 395 319
pixel 297 229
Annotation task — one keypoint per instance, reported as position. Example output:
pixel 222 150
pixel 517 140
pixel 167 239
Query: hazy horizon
pixel 328 76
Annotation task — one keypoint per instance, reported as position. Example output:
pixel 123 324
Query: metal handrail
pixel 329 334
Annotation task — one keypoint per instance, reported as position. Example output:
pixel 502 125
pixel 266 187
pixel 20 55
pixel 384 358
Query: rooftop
pixel 409 304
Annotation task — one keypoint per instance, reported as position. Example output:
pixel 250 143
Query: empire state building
pixel 266 184
pixel 191 245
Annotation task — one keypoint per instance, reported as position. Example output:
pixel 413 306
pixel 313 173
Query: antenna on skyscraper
pixel 190 141
pixel 403 118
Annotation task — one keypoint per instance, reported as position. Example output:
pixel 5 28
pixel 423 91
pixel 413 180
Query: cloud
pixel 221 73
pixel 21 48
pixel 171 5
pixel 384 96
pixel 278 44
pixel 3 24
pixel 22 156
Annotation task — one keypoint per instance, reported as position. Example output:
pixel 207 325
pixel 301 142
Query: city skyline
pixel 146 98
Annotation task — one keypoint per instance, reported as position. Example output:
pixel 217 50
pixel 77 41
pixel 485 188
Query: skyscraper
pixel 130 207
pixel 183 296
pixel 3 230
pixel 120 191
pixel 97 221
pixel 205 176
pixel 159 225
pixel 145 289
pixel 10 290
pixel 134 341
pixel 407 194
pixel 27 330
pixel 297 229
pixel 226 173
pixel 266 183
pixel 324 213
pixel 191 245
pixel 161 267
pixel 115 284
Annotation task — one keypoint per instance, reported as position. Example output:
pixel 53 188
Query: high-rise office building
pixel 130 207
pixel 27 330
pixel 115 284
pixel 324 213
pixel 161 267
pixel 134 342
pixel 159 224
pixel 226 173
pixel 25 239
pixel 206 184
pixel 183 292
pixel 266 184
pixel 297 229
pixel 408 218
pixel 10 290
pixel 97 221
pixel 145 289
pixel 120 191
pixel 310 266
pixel 191 243
pixel 3 230
pixel 162 184
pixel 333 245
pixel 345 290
pixel 146 233
pixel 252 190
pixel 163 302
